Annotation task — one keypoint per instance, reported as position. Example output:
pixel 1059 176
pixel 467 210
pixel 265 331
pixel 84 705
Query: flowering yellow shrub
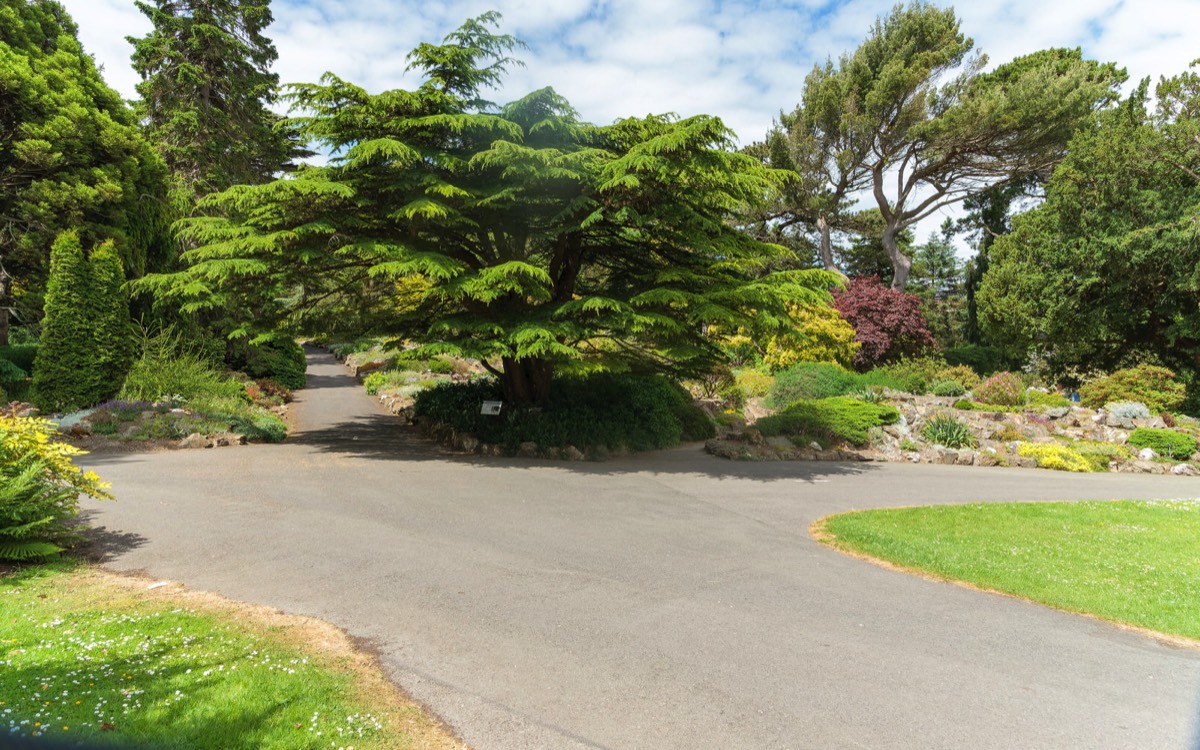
pixel 1054 456
pixel 820 335
pixel 39 490
pixel 26 439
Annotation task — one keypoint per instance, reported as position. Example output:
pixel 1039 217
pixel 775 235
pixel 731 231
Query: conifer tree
pixel 66 372
pixel 71 157
pixel 206 90
pixel 519 236
pixel 110 302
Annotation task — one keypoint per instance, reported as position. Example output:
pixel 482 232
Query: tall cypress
pixel 206 90
pixel 110 301
pixel 66 373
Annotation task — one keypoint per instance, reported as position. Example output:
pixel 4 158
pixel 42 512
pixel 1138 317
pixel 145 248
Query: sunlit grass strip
pixel 1128 561
pixel 85 658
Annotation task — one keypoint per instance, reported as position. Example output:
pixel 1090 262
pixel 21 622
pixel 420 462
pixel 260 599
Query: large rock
pixel 1058 412
pixel 1184 470
pixel 945 456
pixel 988 459
pixel 195 440
pixel 1147 454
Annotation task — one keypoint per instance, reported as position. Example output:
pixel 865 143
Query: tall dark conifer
pixel 207 88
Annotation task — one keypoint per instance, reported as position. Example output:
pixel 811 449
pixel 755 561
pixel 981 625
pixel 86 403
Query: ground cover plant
pixel 1129 561
pixel 838 418
pixel 1167 443
pixel 1056 456
pixel 91 658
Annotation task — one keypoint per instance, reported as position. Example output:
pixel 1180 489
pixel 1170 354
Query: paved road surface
pixel 669 600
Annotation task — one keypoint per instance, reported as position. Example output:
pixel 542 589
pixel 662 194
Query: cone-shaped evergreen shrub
pixel 113 325
pixel 66 372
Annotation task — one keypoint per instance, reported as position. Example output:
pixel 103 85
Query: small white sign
pixel 491 407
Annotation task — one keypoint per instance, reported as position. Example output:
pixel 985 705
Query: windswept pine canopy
pixel 517 235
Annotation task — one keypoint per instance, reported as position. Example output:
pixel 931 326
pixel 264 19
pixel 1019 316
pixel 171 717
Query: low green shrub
pixel 960 374
pixel 1128 409
pixel 1003 388
pixel 945 429
pixel 947 388
pixel 914 374
pixel 599 411
pixel 1099 454
pixel 1168 443
pixel 441 366
pixel 807 381
pixel 838 417
pixel 1046 399
pixel 1055 456
pixel 1154 386
pixel 259 427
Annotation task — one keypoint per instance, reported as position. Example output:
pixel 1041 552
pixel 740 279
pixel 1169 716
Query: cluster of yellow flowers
pixel 27 439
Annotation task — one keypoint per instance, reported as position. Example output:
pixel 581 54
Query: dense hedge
pixel 838 418
pixel 601 411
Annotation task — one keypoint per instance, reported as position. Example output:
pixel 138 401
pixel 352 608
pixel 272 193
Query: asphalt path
pixel 665 600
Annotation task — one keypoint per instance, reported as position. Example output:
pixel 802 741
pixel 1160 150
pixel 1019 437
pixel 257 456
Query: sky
pixel 742 60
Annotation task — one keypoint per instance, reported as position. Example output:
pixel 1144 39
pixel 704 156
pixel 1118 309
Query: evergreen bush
pixel 1156 387
pixel 1167 443
pixel 66 373
pixel 838 418
pixel 1128 409
pixel 809 381
pixel 947 388
pixel 113 327
pixel 599 411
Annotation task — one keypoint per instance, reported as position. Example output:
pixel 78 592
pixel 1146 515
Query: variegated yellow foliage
pixel 820 335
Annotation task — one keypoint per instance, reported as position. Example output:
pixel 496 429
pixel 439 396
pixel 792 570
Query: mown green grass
pixel 82 658
pixel 1128 561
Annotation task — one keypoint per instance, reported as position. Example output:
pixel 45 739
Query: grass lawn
pixel 1128 561
pixel 86 655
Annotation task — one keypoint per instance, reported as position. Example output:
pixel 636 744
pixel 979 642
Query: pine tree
pixel 66 373
pixel 110 302
pixel 206 92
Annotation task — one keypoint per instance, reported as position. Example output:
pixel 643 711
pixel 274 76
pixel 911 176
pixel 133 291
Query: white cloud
pixel 743 60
